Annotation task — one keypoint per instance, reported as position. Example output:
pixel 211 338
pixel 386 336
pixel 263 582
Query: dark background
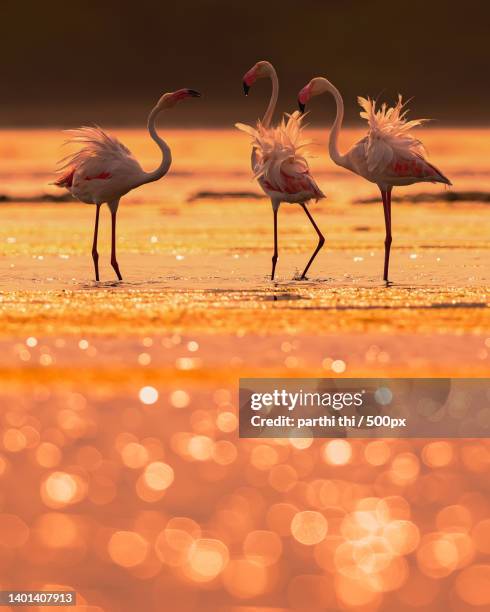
pixel 107 62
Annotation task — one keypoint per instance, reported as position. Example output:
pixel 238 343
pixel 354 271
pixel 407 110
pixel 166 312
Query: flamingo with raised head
pixel 277 163
pixel 389 155
pixel 104 170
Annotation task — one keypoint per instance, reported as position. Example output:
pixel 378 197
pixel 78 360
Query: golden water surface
pixel 122 473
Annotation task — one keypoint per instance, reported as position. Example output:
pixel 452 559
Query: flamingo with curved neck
pixel 388 156
pixel 166 162
pixel 262 70
pixel 280 168
pixel 104 170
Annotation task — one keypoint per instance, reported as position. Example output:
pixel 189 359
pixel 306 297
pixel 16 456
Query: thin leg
pixel 95 254
pixel 321 240
pixel 114 263
pixel 275 210
pixel 386 195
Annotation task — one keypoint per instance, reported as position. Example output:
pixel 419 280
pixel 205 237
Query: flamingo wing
pixel 293 177
pixel 101 157
pixel 389 135
pixel 390 152
pixel 413 168
pixel 279 161
pixel 65 178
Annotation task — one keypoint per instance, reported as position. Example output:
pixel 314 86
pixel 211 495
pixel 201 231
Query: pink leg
pixel 95 255
pixel 321 240
pixel 114 263
pixel 386 195
pixel 275 255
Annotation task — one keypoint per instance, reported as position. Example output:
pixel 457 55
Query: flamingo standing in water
pixel 388 156
pixel 277 163
pixel 104 170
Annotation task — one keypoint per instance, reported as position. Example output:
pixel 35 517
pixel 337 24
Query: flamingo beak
pixel 246 88
pixel 193 93
pixel 303 97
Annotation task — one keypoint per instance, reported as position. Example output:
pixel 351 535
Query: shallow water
pixel 203 265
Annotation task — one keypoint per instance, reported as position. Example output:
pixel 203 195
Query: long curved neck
pixel 266 121
pixel 166 162
pixel 333 140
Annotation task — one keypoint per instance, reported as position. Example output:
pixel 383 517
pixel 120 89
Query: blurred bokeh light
pixel 161 499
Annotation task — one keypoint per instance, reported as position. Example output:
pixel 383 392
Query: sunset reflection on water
pixel 165 501
pixel 122 473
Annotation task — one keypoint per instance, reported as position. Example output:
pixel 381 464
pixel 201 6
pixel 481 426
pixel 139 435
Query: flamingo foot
pixel 115 265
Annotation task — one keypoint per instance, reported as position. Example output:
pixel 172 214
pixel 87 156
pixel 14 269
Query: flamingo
pixel 277 164
pixel 388 156
pixel 104 170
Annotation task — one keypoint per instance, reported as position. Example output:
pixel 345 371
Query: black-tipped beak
pixel 301 107
pixel 246 88
pixel 193 93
